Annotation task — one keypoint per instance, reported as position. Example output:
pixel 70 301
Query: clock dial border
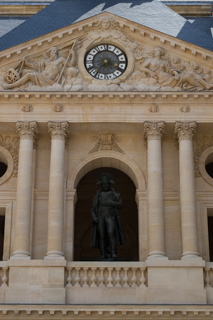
pixel 89 44
pixel 120 61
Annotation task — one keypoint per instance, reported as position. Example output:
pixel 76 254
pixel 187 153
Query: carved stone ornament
pixel 106 141
pixel 200 146
pixel 58 130
pixel 27 108
pixel 27 129
pixel 154 130
pixel 61 68
pixel 185 109
pixel 153 109
pixel 11 143
pixel 185 130
pixel 58 108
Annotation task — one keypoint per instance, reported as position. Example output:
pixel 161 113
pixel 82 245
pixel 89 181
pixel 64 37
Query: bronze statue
pixel 107 232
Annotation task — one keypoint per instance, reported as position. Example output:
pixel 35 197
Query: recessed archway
pixel 111 159
pixel 86 190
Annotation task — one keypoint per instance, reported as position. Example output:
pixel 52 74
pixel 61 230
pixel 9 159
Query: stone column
pixel 27 131
pixel 58 132
pixel 185 132
pixel 153 132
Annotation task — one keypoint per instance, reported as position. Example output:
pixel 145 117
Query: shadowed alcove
pixel 86 190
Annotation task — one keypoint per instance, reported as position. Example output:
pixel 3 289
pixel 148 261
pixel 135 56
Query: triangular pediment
pixel 125 56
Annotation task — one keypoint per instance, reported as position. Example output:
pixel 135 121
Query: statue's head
pixel 158 52
pixel 105 23
pixel 52 53
pixel 105 179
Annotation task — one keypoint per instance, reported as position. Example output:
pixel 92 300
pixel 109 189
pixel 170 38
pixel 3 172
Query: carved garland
pixel 200 146
pixel 11 143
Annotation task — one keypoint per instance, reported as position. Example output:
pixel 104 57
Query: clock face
pixel 106 62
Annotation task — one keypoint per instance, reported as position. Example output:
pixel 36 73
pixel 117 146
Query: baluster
pixel 109 279
pixel 125 279
pixel 77 278
pixel 4 278
pixel 101 279
pixel 69 278
pixel 134 279
pixel 93 279
pixel 207 278
pixel 142 279
pixel 118 278
pixel 85 278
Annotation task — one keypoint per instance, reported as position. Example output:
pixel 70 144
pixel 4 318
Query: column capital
pixel 58 130
pixel 185 130
pixel 27 129
pixel 154 130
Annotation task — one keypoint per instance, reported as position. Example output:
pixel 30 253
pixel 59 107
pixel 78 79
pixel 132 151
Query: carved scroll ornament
pixel 106 141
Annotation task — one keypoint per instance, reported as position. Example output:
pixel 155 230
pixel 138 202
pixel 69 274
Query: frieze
pixel 60 68
pixel 106 141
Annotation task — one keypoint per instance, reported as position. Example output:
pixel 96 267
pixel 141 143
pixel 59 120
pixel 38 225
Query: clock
pixel 105 62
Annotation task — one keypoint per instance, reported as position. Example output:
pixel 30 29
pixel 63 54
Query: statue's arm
pixel 145 68
pixel 117 203
pixel 93 209
pixel 73 58
pixel 29 64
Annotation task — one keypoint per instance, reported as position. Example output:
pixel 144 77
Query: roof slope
pixel 152 14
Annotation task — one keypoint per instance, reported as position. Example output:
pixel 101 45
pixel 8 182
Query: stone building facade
pixel 107 92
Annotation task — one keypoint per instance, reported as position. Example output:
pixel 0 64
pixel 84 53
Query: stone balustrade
pixel 208 275
pixel 4 274
pixel 86 274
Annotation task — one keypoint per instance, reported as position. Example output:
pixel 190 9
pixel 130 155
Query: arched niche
pixel 86 189
pixel 111 159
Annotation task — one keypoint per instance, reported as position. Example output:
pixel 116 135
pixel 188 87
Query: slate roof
pixel 7 24
pixel 152 14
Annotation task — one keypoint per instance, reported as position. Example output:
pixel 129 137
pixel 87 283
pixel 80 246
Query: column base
pixel 190 255
pixel 54 255
pixel 20 254
pixel 157 255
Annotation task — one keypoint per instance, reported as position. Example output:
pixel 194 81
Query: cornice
pixel 105 95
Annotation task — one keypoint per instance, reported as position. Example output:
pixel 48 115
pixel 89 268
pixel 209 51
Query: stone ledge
pixel 112 311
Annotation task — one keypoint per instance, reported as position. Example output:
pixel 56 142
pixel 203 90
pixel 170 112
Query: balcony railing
pixel 113 274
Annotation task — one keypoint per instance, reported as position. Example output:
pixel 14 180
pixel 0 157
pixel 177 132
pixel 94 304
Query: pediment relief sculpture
pixel 106 59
